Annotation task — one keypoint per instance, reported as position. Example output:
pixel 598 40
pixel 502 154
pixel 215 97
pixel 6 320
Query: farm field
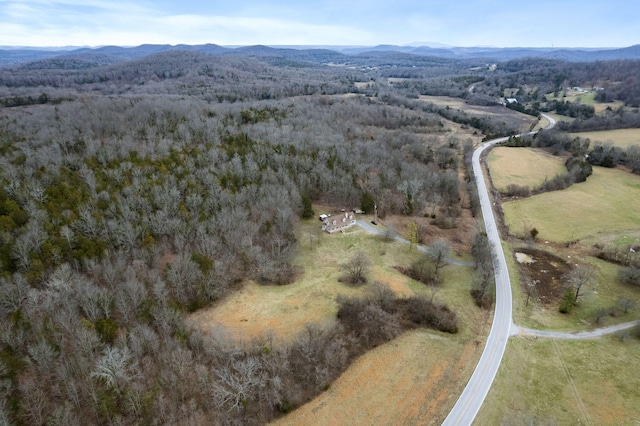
pixel 608 202
pixel 422 371
pixel 545 381
pixel 622 138
pixel 522 166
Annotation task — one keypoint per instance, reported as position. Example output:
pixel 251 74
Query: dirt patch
pixel 543 268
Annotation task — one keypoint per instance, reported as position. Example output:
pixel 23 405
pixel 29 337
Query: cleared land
pixel 415 378
pixel 523 166
pixel 586 98
pixel 543 381
pixel 622 138
pixel 603 291
pixel 608 202
pixel 511 117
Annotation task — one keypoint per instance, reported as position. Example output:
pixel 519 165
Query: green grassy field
pixel 588 98
pixel 544 382
pixel 608 202
pixel 523 166
pixel 622 138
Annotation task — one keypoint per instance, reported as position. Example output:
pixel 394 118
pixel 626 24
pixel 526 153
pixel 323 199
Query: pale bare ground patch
pixel 523 166
pixel 622 138
pixel 363 84
pixel 413 380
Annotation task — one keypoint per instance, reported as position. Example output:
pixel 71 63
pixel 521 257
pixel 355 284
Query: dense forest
pixel 133 192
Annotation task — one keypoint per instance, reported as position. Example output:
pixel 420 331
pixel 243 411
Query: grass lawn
pixel 622 138
pixel 544 381
pixel 608 202
pixel 523 166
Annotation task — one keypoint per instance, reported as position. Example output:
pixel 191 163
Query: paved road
pixel 473 395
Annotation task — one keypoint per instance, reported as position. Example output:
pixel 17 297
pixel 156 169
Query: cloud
pixel 123 22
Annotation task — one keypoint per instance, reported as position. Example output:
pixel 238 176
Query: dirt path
pixel 592 334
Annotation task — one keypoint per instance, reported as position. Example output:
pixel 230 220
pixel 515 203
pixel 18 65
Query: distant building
pixel 512 101
pixel 339 222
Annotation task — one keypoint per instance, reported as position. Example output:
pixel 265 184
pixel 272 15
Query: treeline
pixel 213 78
pixel 621 118
pixel 578 168
pixel 619 79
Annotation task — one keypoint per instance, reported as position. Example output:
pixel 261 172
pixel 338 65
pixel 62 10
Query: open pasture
pixel 522 166
pixel 622 138
pixel 608 202
pixel 544 381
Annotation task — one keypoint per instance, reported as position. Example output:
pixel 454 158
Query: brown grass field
pixel 523 166
pixel 414 379
pixel 622 138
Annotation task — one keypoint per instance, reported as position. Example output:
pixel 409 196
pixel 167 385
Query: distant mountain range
pixel 315 54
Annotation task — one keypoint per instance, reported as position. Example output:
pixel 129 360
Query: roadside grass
pixel 559 117
pixel 608 202
pixel 622 138
pixel 545 381
pixel 542 123
pixel 523 166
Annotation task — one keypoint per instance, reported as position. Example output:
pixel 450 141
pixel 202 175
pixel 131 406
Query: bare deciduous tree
pixel 579 277
pixel 357 268
pixel 439 251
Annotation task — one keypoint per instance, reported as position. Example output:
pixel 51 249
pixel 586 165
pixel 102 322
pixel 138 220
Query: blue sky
pixel 542 23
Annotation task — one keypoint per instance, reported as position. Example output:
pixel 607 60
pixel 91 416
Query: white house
pixel 339 222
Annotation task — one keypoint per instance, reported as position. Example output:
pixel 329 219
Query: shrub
pixel 568 300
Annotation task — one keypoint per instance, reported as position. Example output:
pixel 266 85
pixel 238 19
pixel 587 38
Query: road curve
pixel 473 395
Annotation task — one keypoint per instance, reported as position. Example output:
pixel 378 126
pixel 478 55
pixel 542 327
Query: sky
pixel 499 23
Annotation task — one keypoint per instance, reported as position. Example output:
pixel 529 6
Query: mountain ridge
pixel 324 54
